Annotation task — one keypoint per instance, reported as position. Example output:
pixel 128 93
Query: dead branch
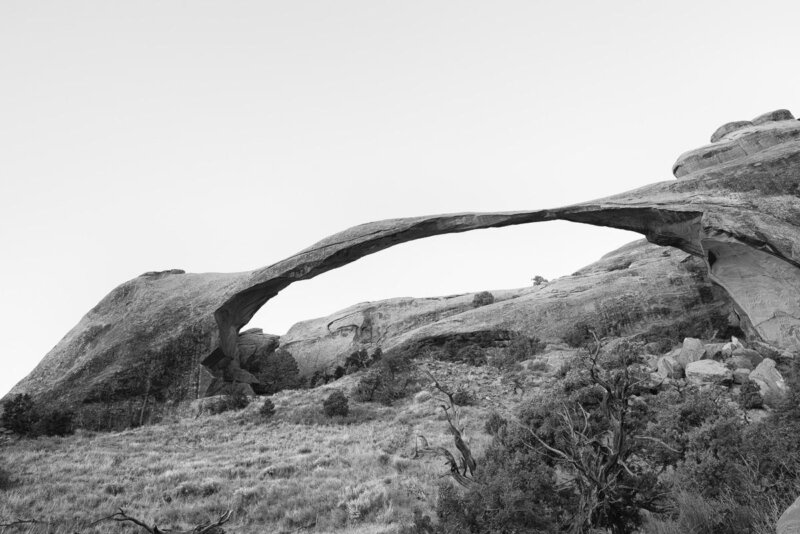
pixel 206 528
pixel 19 522
pixel 456 429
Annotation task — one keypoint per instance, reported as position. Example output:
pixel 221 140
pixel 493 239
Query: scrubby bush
pixel 483 298
pixel 462 397
pixel 578 335
pixel 361 359
pixel 392 378
pixel 519 349
pixel 267 409
pixel 335 404
pixel 19 414
pixel 233 402
pixel 750 396
pixel 55 423
pixel 471 354
pixel 275 371
pixel 494 423
pixel 5 479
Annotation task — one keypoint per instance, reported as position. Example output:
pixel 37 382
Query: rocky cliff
pixel 734 205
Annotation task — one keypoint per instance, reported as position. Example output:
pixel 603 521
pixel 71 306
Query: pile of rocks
pixel 722 364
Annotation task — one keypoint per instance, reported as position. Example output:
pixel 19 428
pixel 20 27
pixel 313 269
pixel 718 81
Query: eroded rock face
pixel 735 205
pixel 639 288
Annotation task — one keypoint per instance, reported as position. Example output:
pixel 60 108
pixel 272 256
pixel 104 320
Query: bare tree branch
pixel 19 522
pixel 206 528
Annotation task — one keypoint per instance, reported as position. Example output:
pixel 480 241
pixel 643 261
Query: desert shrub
pixel 520 348
pixel 19 414
pixel 114 489
pixel 361 359
pixel 577 335
pixel 494 423
pixel 471 354
pixel 364 499
pixel 233 402
pixel 267 409
pixel 335 404
pixel 420 524
pixel 391 379
pixel 5 479
pixel 483 298
pixel 462 397
pixel 204 488
pixel 55 423
pixel 275 371
pixel 518 493
pixel 750 396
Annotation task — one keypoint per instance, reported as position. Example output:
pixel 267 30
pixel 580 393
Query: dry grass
pixel 299 471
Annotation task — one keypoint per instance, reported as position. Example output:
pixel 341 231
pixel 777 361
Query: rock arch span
pixel 736 203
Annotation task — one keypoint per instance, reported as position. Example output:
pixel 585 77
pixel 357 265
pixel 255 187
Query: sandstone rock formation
pixel 735 205
pixel 640 288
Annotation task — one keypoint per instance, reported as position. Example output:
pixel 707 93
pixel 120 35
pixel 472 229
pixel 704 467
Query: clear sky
pixel 227 135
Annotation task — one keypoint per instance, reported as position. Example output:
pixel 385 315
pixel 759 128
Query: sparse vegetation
pixel 391 379
pixel 5 479
pixel 336 404
pixel 267 408
pixel 484 298
pixel 21 415
pixel 276 371
pixel 463 397
pixel 693 461
pixel 750 396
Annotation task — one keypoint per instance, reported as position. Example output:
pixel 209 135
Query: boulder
pixel 752 356
pixel 669 367
pixel 692 351
pixel 769 379
pixel 740 362
pixel 789 522
pixel 708 372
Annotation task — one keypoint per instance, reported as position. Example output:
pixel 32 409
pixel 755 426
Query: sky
pixel 225 136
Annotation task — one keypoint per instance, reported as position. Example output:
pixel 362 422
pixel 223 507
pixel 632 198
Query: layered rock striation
pixel 734 205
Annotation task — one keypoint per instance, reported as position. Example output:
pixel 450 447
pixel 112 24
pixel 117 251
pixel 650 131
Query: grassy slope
pixel 298 471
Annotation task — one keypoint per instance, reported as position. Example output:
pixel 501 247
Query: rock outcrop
pixel 735 205
pixel 640 288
